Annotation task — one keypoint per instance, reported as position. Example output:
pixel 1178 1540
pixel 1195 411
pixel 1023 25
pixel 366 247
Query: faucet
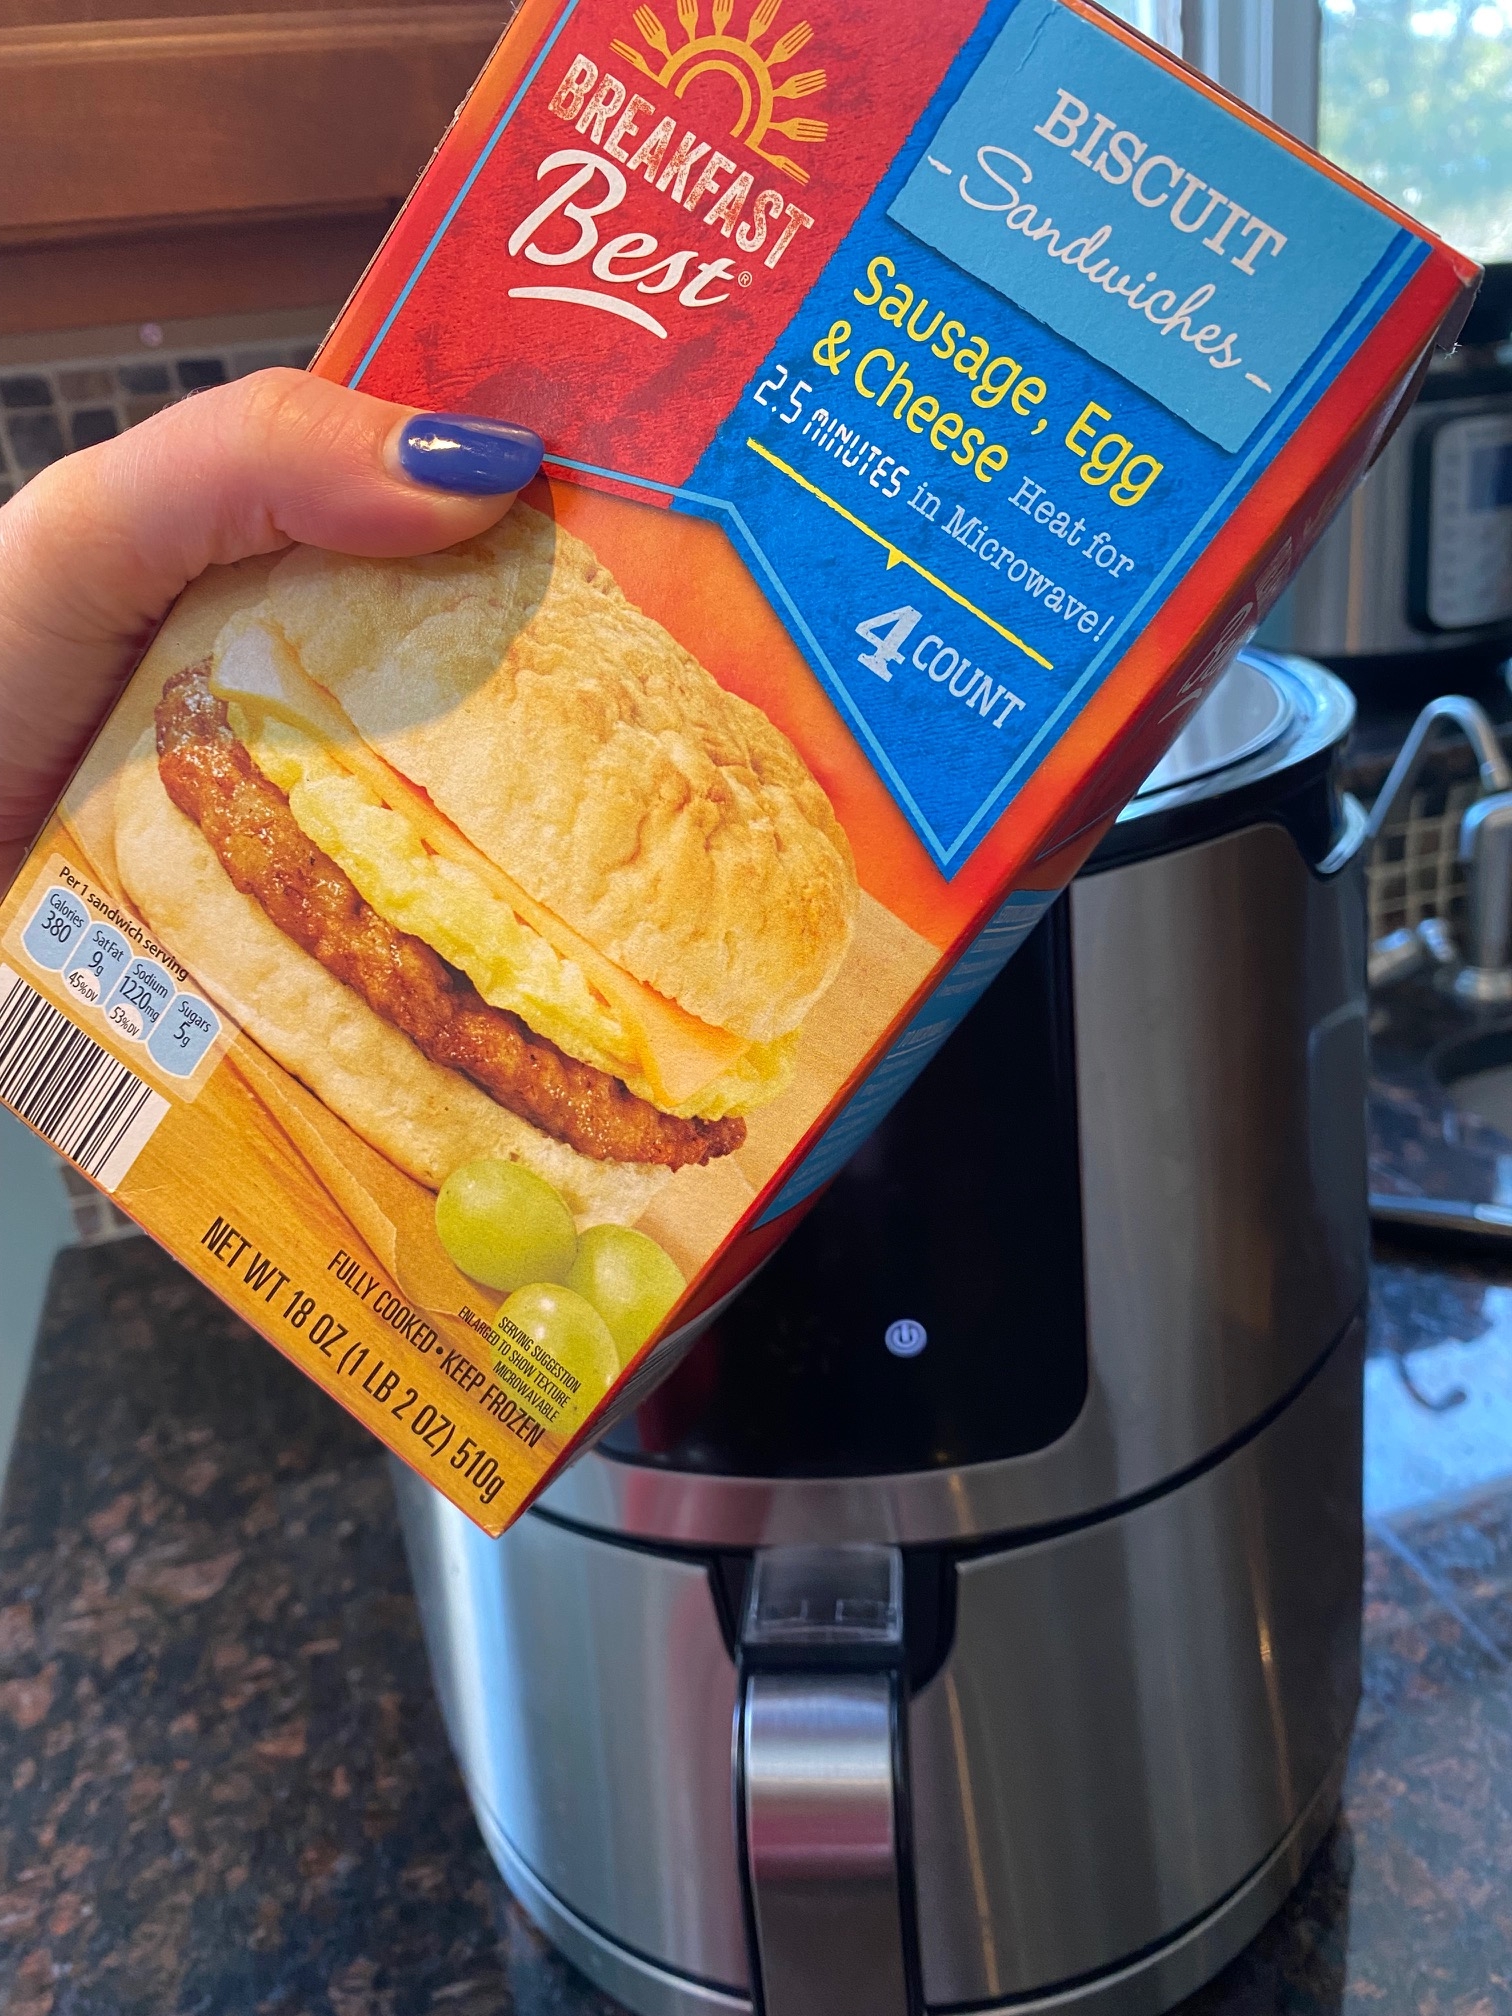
pixel 1485 851
pixel 1485 848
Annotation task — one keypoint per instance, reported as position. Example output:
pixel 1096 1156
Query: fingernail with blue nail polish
pixel 468 455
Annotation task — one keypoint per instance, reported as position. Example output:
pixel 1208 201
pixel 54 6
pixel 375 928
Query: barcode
pixel 90 1106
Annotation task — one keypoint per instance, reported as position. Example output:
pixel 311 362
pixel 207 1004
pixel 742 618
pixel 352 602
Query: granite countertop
pixel 230 1790
pixel 229 1786
pixel 1430 1157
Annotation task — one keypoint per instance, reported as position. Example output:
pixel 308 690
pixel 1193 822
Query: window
pixel 1159 19
pixel 1416 101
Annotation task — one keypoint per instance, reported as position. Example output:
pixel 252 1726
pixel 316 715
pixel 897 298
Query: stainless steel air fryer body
pixel 1417 567
pixel 972 1619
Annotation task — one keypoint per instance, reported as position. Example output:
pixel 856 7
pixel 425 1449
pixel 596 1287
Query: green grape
pixel 572 1334
pixel 629 1280
pixel 504 1226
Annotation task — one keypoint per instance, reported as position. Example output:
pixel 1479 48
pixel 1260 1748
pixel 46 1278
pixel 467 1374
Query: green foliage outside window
pixel 1417 102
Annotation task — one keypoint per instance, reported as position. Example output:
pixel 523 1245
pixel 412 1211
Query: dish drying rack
pixel 1415 872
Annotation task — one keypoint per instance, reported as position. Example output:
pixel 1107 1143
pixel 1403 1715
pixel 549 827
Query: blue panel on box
pixel 1193 254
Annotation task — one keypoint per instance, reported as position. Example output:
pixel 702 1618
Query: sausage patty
pixel 212 780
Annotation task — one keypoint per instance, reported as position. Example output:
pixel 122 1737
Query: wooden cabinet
pixel 182 157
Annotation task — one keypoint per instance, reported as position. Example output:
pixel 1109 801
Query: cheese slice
pixel 678 1054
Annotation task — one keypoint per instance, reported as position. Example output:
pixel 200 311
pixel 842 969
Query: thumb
pixel 94 550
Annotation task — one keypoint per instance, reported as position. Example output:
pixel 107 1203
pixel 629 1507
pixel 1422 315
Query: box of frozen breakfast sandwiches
pixel 472 966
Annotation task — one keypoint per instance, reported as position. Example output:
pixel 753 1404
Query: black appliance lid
pixel 817 1368
pixel 1264 744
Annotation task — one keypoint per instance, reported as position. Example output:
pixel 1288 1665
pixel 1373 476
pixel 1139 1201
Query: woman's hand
pixel 95 549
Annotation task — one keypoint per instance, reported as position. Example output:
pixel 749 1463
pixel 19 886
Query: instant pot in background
pixel 1413 580
pixel 971 1620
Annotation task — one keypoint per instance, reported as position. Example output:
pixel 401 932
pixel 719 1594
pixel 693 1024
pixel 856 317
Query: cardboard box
pixel 935 398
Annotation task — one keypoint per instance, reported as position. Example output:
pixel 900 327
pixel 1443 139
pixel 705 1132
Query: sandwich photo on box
pixel 478 854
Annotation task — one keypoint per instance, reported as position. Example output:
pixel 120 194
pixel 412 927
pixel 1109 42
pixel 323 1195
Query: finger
pixel 95 549
pixel 244 469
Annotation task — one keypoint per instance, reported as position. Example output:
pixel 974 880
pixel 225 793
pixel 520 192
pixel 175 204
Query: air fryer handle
pixel 818 1808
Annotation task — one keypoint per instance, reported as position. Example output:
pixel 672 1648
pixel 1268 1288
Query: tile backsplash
pixel 63 401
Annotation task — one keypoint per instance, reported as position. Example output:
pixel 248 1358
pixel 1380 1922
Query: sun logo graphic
pixel 725 55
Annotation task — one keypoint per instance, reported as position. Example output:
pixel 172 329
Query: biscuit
pixel 424 1118
pixel 576 742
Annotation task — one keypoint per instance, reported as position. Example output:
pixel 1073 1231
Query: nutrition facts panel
pixel 1469 511
pixel 132 992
